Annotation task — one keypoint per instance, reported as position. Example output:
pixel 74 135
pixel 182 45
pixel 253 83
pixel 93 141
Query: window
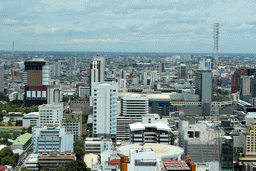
pixel 95 107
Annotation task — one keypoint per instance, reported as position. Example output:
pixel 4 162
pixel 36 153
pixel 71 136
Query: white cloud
pixel 11 21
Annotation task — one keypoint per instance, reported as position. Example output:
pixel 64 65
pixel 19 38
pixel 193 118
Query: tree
pixel 23 130
pixel 7 160
pixel 6 151
pixel 79 151
pixel 30 129
pixel 76 165
pixel 4 97
pixel 18 123
pixel 79 143
pixel 60 168
pixel 10 122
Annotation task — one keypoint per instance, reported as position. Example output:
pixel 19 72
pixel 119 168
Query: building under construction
pixel 200 141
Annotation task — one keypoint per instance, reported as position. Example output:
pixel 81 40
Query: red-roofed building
pixel 3 168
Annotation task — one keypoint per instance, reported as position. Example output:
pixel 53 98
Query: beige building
pixel 250 142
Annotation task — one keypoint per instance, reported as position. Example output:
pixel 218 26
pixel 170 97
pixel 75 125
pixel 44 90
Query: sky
pixel 179 26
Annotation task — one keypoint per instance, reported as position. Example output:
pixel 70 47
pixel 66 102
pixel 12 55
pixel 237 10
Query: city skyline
pixel 175 26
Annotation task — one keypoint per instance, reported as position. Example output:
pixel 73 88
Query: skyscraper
pixel 122 74
pixel 153 77
pixel 56 69
pixel 236 78
pixel 203 84
pixel 36 79
pixel 143 78
pixel 161 67
pixel 104 97
pixel 97 70
pixel 183 71
pixel 1 79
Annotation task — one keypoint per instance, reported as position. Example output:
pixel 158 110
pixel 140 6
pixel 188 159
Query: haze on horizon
pixel 179 26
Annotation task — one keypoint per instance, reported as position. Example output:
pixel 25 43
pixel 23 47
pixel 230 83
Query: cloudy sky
pixel 184 26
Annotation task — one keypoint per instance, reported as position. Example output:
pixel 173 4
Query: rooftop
pixel 22 139
pixel 158 126
pixel 175 165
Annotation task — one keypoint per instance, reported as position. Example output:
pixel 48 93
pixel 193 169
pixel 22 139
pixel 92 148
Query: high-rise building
pixel 122 74
pixel 104 98
pixel 97 70
pixel 183 71
pixel 161 67
pixel 245 85
pixel 56 69
pixel 36 79
pixel 203 85
pixel 50 113
pixel 53 94
pixel 236 78
pixel 1 79
pixel 154 77
pixel 143 78
pixel 132 110
pixel 122 83
pixel 205 64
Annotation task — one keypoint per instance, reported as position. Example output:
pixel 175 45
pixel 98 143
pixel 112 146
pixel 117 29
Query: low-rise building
pixel 52 160
pixel 97 145
pixel 23 142
pixel 31 119
pixel 150 131
pixel 31 162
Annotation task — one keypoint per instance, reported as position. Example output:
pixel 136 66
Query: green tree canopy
pixel 76 165
pixel 7 160
pixel 18 123
pixel 60 168
pixel 30 129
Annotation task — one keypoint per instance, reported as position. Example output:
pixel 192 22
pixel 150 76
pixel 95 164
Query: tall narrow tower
pixel 216 43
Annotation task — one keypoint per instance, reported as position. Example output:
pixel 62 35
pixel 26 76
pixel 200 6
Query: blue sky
pixel 181 26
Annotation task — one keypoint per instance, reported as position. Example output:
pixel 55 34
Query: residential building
pixel 97 145
pixel 31 118
pixel 50 113
pixel 143 78
pixel 104 97
pixel 97 70
pixel 35 79
pixel 73 124
pixel 150 130
pixel 236 78
pixel 52 138
pixel 122 83
pixel 52 160
pixel 56 69
pixel 53 94
pixel 154 77
pixel 122 74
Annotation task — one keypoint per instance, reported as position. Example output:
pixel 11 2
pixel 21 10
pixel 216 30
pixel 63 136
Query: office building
pixel 104 97
pixel 150 130
pixel 183 71
pixel 143 78
pixel 122 74
pixel 203 85
pixel 56 69
pixel 205 64
pixel 35 79
pixel 97 145
pixel 227 150
pixel 236 79
pixel 31 118
pixel 83 91
pixel 83 105
pixel 52 137
pixel 132 110
pixel 50 113
pixel 161 67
